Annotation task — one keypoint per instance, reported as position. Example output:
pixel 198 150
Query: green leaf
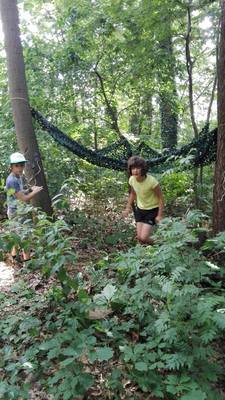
pixel 50 344
pixel 141 366
pixel 56 377
pixel 85 380
pixel 29 323
pixel 104 353
pixel 68 395
pixel 69 351
pixel 219 319
pixel 109 291
pixel 67 362
pixel 83 296
pixel 53 353
pixel 194 395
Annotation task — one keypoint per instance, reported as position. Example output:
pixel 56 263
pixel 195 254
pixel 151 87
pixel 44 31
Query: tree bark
pixel 18 93
pixel 189 65
pixel 219 177
pixel 135 121
pixel 148 115
pixel 168 94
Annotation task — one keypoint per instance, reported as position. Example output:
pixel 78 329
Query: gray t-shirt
pixel 14 184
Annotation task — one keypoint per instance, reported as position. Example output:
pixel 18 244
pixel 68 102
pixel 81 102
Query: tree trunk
pixel 18 92
pixel 168 94
pixel 219 177
pixel 135 119
pixel 189 65
pixel 147 115
pixel 168 121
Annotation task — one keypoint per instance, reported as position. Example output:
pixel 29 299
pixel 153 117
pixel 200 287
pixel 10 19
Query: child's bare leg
pixel 14 251
pixel 26 255
pixel 138 230
pixel 144 232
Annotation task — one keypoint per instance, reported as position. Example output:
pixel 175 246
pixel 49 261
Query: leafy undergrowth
pixel 139 323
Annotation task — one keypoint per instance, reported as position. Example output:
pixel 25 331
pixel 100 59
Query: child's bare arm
pixel 131 198
pixel 158 192
pixel 26 197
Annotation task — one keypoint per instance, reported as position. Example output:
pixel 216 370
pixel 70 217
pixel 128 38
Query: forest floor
pixel 97 234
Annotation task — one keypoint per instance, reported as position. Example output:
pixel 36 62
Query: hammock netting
pixel 201 151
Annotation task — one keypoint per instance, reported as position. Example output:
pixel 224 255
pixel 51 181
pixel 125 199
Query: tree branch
pixel 111 110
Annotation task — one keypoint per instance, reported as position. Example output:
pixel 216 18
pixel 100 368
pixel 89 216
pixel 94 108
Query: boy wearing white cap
pixel 15 191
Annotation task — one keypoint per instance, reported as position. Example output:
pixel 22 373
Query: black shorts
pixel 146 216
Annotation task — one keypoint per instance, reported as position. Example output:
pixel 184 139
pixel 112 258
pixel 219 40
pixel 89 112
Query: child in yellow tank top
pixel 145 190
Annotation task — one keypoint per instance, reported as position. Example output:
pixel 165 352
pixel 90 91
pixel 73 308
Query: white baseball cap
pixel 17 158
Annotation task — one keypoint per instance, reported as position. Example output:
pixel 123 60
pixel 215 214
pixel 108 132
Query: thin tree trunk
pixel 189 65
pixel 207 125
pixel 215 78
pixel 148 114
pixel 95 117
pixel 135 119
pixel 110 108
pixel 219 177
pixel 168 97
pixel 18 92
pixel 211 100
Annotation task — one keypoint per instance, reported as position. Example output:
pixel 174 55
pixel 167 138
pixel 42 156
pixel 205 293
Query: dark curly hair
pixel 137 162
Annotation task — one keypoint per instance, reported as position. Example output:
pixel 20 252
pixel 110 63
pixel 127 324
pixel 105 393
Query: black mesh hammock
pixel 201 151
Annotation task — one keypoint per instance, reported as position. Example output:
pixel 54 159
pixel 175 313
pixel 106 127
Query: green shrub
pixel 161 313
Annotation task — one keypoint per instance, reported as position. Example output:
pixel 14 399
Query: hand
pixel 158 219
pixel 126 212
pixel 36 189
